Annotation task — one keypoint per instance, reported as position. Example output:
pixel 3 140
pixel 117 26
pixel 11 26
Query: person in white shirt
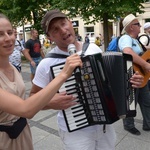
pixel 15 57
pixel 59 29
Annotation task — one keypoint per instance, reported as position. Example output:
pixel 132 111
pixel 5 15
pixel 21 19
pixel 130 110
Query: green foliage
pixel 21 11
pixel 98 8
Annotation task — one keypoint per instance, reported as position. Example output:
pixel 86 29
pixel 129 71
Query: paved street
pixel 45 131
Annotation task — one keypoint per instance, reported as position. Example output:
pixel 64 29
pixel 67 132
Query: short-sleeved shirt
pixel 15 57
pixel 34 47
pixel 127 41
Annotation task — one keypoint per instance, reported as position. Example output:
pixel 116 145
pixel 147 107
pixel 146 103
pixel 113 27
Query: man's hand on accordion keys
pixel 62 101
pixel 136 80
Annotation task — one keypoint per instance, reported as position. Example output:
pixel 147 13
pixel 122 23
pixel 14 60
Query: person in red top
pixel 33 46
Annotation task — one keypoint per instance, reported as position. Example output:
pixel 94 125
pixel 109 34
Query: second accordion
pixel 102 90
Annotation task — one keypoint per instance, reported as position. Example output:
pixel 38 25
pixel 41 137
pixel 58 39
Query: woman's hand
pixel 72 62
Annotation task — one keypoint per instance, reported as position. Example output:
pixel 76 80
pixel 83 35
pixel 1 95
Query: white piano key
pixel 72 91
pixel 71 119
pixel 68 83
pixel 70 109
pixel 74 107
pixel 68 88
pixel 74 114
pixel 58 67
pixel 74 126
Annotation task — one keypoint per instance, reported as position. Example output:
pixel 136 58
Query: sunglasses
pixel 137 24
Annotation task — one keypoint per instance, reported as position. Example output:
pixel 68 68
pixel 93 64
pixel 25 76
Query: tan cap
pixel 49 16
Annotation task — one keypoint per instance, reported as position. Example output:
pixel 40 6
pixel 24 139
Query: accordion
pixel 101 88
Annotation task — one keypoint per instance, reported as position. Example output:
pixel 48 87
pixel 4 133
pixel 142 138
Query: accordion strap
pixel 54 55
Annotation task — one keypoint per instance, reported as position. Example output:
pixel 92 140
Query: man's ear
pixel 131 27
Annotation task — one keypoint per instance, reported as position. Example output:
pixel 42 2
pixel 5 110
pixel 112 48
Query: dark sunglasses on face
pixel 137 24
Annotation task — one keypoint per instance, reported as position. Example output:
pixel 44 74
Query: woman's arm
pixel 29 107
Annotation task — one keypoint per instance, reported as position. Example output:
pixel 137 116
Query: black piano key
pixel 80 120
pixel 82 123
pixel 79 110
pixel 79 114
pixel 77 107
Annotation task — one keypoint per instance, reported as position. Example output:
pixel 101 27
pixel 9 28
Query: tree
pixel 100 10
pixel 22 11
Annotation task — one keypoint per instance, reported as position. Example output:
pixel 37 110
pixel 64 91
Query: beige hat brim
pixel 123 30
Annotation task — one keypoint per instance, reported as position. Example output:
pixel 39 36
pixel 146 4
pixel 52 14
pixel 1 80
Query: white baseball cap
pixel 147 25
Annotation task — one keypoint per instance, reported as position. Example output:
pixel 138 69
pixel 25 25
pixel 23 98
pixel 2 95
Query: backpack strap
pixel 118 50
pixel 143 47
pixel 54 55
pixel 84 48
pixel 19 43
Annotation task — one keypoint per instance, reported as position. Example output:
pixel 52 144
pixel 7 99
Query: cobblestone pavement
pixel 45 131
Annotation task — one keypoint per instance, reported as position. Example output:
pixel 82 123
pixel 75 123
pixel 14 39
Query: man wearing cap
pixel 129 44
pixel 60 30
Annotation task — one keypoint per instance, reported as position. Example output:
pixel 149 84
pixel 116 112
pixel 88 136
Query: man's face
pixel 15 32
pixel 61 32
pixel 35 34
pixel 135 26
pixel 148 30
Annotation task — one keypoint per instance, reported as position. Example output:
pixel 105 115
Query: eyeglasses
pixel 137 24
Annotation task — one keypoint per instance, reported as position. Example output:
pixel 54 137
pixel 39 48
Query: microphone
pixel 72 50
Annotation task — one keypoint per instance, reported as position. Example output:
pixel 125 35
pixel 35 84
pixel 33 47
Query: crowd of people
pixel 43 95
